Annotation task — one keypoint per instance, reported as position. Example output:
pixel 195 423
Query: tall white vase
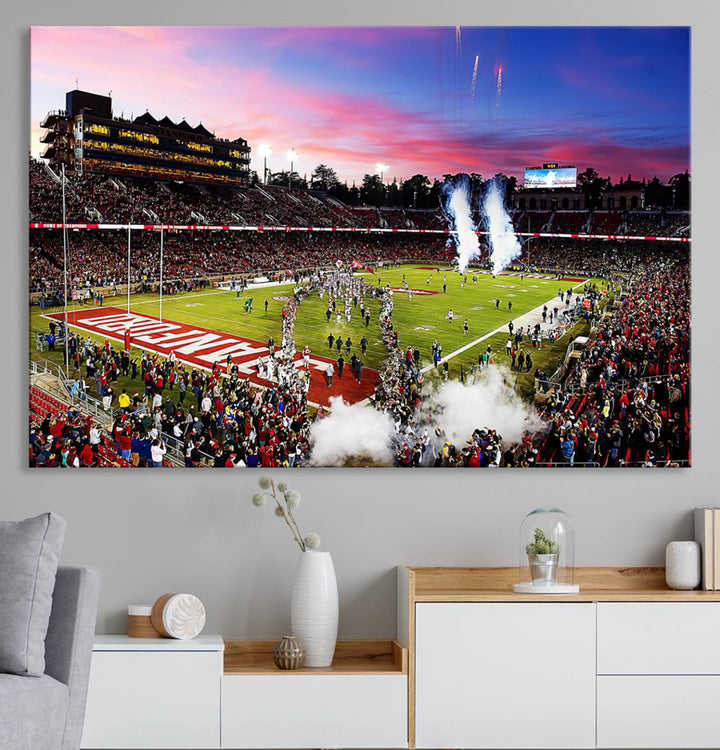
pixel 314 607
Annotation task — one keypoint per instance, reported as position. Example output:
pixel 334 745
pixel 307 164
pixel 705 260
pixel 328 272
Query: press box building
pixel 86 137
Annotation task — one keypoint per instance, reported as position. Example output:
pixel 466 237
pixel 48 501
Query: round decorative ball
pixel 288 653
pixel 179 616
pixel 682 565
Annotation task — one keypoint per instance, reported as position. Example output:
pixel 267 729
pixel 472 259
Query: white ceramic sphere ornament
pixel 179 616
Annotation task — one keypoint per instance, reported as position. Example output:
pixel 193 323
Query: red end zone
pixel 201 347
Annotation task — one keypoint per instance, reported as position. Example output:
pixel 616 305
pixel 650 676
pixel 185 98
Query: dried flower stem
pixel 286 500
pixel 288 517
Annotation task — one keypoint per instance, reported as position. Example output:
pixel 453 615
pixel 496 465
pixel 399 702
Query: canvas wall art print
pixel 451 247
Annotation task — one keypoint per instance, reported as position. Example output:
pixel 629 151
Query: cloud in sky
pixel 352 97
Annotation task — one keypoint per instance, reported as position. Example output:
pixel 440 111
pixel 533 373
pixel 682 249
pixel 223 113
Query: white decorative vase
pixel 682 565
pixel 314 608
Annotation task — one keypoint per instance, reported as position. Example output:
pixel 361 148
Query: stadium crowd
pixel 100 258
pixel 115 200
pixel 215 418
pixel 625 402
pixel 630 389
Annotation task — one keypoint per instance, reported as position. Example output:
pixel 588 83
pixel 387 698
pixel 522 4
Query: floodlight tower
pixel 264 151
pixel 292 155
pixel 380 169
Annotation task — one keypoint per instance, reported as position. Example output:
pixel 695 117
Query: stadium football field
pixel 478 297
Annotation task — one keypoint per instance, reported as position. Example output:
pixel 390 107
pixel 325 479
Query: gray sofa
pixel 47 712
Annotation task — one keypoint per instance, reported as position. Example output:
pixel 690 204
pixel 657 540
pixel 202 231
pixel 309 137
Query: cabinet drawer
pixel 309 711
pixel 658 638
pixel 496 675
pixel 153 700
pixel 658 711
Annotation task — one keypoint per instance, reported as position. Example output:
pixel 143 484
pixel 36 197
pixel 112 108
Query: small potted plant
pixel 543 555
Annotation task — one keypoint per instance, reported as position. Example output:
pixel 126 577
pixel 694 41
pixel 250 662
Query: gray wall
pixel 197 531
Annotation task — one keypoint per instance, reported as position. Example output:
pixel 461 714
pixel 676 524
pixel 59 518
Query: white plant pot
pixel 314 607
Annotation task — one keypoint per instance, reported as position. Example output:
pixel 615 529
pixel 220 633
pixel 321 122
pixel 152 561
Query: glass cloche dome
pixel 546 553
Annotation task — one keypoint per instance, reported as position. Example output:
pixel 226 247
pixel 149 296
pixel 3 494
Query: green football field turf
pixel 419 321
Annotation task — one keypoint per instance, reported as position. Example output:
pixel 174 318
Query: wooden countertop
pixel 351 657
pixel 597 584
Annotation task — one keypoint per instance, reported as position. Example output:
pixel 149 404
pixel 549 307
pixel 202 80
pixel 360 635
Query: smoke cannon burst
pixel 504 244
pixel 455 199
pixel 352 432
pixel 459 408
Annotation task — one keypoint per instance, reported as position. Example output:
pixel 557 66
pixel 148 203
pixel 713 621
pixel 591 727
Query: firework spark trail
pixel 499 94
pixel 474 79
pixel 458 40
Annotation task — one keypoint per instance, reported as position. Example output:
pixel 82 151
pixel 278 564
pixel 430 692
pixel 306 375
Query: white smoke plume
pixel 456 204
pixel 504 245
pixel 352 433
pixel 459 408
pixel 358 434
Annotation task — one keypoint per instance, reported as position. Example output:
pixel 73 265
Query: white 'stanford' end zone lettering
pixel 244 350
pixel 200 343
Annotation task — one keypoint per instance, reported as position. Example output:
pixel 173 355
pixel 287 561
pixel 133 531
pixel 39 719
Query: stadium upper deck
pixel 89 138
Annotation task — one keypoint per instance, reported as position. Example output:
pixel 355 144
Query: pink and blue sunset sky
pixel 616 99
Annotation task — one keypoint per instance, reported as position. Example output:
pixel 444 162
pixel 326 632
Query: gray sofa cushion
pixel 32 712
pixel 29 552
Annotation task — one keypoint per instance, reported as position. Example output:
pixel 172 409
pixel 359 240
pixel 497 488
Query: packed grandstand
pixel 620 399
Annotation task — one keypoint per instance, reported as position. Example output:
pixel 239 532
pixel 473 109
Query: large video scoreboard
pixel 550 176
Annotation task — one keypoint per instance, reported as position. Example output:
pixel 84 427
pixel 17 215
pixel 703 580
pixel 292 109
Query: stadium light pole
pixel 264 151
pixel 65 275
pixel 380 169
pixel 128 269
pixel 292 154
pixel 162 227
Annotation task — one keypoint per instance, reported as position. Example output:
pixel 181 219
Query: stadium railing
pixel 682 463
pixel 578 464
pixel 45 367
pixel 63 388
pixel 564 465
pixel 175 449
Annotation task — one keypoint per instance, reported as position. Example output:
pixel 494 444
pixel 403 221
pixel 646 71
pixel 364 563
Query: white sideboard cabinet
pixel 206 693
pixel 626 663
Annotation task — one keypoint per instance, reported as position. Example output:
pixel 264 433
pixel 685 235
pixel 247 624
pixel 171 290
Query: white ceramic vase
pixel 314 607
pixel 682 565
